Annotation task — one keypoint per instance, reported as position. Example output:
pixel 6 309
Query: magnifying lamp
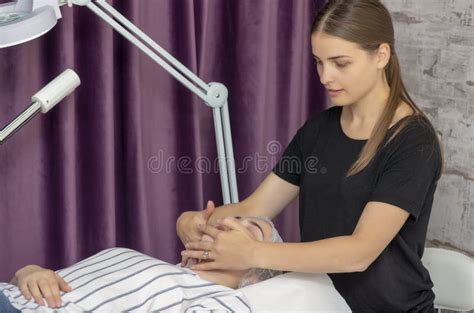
pixel 25 20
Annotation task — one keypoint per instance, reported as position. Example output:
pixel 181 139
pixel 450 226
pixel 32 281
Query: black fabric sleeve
pixel 409 174
pixel 289 166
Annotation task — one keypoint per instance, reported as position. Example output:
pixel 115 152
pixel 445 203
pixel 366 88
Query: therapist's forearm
pixel 341 254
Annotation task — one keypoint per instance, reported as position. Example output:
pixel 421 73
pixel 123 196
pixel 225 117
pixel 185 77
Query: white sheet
pixel 295 292
pixel 121 271
pixel 120 279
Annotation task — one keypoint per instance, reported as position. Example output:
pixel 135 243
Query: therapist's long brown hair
pixel 368 23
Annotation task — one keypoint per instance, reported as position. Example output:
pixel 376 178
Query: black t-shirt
pixel 403 173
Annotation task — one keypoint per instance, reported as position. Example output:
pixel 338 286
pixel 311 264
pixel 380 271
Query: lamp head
pixel 26 20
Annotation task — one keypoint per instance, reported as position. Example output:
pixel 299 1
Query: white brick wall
pixel 435 44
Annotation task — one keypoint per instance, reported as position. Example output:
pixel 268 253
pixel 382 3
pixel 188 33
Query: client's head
pixel 262 229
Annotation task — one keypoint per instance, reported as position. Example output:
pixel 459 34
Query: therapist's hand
pixel 232 249
pixel 38 283
pixel 187 223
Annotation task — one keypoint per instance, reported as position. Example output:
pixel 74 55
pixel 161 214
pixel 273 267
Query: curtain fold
pixel 116 162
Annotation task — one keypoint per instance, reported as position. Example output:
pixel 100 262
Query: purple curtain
pixel 116 162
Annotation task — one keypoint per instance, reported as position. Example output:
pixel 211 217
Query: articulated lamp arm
pixel 43 101
pixel 213 94
pixel 25 20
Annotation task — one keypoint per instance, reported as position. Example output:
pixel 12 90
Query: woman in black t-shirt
pixel 365 172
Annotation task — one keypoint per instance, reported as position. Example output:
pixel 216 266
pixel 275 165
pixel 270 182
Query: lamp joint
pixel 217 95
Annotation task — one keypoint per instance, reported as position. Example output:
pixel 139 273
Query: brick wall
pixel 435 44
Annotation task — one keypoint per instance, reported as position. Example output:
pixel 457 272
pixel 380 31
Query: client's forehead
pixel 263 225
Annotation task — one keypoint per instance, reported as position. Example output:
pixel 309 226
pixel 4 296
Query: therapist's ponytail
pixel 368 23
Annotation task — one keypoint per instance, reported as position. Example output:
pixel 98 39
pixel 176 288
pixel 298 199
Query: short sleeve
pixel 410 174
pixel 289 166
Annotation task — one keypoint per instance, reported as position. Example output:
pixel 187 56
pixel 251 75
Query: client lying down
pixel 121 279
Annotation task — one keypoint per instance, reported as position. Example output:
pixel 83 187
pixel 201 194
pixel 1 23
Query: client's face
pixel 260 229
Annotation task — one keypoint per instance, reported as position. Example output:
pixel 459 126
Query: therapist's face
pixel 344 67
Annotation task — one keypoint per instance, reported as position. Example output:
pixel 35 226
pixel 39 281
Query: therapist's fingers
pixel 184 260
pixel 210 230
pixel 233 224
pixel 206 266
pixel 196 254
pixel 35 292
pixel 209 210
pixel 199 245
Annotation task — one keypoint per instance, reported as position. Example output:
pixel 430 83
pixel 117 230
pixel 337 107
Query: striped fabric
pixel 121 279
